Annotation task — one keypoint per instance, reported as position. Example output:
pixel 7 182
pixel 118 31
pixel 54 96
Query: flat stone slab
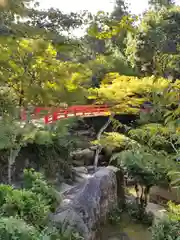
pixel 157 210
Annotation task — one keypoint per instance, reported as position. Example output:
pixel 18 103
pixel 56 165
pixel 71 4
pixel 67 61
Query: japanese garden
pixel 89 125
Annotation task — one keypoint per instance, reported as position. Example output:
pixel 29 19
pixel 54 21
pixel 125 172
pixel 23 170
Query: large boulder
pixel 86 206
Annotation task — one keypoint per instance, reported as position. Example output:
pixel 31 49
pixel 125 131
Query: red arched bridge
pixel 51 114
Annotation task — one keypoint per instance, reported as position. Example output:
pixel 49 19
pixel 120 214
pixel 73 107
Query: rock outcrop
pixel 83 157
pixel 86 206
pixel 79 174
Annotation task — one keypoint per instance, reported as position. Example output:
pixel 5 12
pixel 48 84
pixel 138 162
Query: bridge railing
pixel 53 114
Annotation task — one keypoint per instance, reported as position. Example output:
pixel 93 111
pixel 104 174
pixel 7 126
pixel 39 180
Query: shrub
pixel 37 184
pixel 13 228
pixel 29 206
pixel 174 211
pixel 139 214
pixel 166 229
pixel 115 216
pixel 60 234
pixel 5 190
pixel 16 229
pixel 33 203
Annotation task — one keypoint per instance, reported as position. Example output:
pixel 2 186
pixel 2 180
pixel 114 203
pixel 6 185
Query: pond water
pixel 126 230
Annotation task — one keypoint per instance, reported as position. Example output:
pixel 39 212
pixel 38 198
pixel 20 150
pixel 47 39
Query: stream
pixel 126 230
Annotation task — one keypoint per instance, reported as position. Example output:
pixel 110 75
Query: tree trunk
pixel 142 197
pixel 9 168
pixel 11 160
pixel 137 193
pixel 146 195
pixel 21 98
pixel 99 148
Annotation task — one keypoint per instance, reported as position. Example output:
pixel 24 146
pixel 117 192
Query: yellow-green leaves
pixel 31 68
pixel 106 28
pixel 114 140
pixel 126 93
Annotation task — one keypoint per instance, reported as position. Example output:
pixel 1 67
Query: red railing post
pixel 23 114
pixel 55 116
pixel 46 119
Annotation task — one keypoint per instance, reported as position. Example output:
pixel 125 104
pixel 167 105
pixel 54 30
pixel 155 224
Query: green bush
pixel 5 190
pixel 60 234
pixel 16 229
pixel 33 203
pixel 37 184
pixel 174 211
pixel 13 228
pixel 29 206
pixel 166 229
pixel 139 214
pixel 115 216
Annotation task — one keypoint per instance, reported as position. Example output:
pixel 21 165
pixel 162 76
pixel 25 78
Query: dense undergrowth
pixel 43 148
pixel 25 212
pixel 161 229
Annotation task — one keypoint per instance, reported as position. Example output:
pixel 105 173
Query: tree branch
pixel 173 147
pixel 99 148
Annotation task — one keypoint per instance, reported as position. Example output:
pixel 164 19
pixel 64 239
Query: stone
pixel 156 210
pixel 90 168
pixel 130 199
pixel 85 155
pixel 86 206
pixel 120 184
pixel 78 163
pixel 93 147
pixel 81 177
pixel 64 187
pixel 80 170
pixel 81 153
pixel 80 174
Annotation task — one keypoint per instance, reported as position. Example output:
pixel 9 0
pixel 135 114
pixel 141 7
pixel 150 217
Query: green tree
pixel 98 51
pixel 24 18
pixel 31 75
pixel 154 48
pixel 11 15
pixel 31 69
pixel 157 4
pixel 120 9
pixel 148 151
pixel 54 20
